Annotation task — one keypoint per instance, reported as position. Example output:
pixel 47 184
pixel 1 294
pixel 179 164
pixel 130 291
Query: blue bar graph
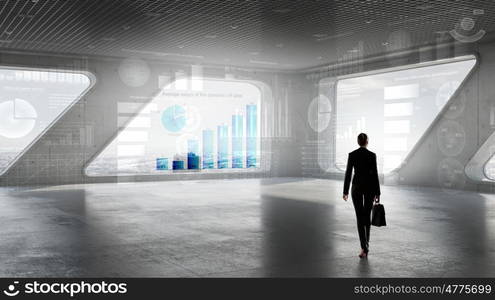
pixel 237 141
pixel 162 163
pixel 208 159
pixel 235 147
pixel 192 155
pixel 223 146
pixel 251 135
pixel 178 165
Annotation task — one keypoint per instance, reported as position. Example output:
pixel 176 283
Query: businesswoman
pixel 365 188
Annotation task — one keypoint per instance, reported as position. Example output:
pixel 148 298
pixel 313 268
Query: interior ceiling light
pixel 478 11
pixel 336 36
pixel 263 62
pixel 156 53
pixel 320 35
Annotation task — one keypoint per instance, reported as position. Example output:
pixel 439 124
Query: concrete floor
pixel 238 228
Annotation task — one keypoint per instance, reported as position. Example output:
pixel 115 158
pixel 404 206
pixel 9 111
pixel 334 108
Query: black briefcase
pixel 378 215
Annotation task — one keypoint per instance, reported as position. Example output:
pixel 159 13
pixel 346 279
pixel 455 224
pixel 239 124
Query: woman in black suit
pixel 365 188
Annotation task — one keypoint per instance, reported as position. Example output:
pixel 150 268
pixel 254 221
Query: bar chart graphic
pixel 192 155
pixel 208 154
pixel 251 135
pixel 223 146
pixel 213 127
pixel 237 141
pixel 243 144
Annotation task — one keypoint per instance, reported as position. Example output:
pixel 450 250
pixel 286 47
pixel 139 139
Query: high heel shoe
pixel 363 254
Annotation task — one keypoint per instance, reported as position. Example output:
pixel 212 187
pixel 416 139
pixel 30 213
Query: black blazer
pixel 365 172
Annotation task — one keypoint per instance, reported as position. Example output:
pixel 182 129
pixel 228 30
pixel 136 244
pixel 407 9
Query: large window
pixel 481 166
pixel 490 168
pixel 30 101
pixel 395 108
pixel 194 125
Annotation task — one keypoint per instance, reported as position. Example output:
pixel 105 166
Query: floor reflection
pixel 63 235
pixel 225 228
pixel 363 268
pixel 461 231
pixel 297 237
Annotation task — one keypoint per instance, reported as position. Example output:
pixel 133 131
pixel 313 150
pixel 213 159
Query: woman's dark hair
pixel 362 139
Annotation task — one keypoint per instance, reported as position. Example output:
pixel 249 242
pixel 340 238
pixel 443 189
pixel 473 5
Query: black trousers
pixel 363 204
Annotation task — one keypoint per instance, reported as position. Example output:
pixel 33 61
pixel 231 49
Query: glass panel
pixel 490 167
pixel 193 125
pixel 394 108
pixel 30 101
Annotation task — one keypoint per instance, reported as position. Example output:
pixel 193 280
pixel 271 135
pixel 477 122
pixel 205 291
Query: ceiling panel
pixel 263 33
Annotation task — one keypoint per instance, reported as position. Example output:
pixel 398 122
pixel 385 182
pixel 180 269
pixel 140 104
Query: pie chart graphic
pixel 319 113
pixel 17 118
pixel 174 118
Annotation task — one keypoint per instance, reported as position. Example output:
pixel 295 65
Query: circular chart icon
pixel 456 108
pixel 134 72
pixel 174 118
pixel 193 118
pixel 17 118
pixel 466 31
pixel 451 138
pixel 467 24
pixel 451 175
pixel 319 113
pixel 445 93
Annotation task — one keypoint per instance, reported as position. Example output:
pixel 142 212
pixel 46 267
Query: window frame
pixel 471 56
pixel 484 169
pixel 92 82
pixel 487 179
pixel 265 97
